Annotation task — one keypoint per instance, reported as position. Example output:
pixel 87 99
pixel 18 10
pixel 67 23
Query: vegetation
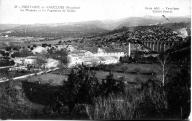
pixel 110 96
pixel 178 81
pixel 144 60
pixel 84 96
pixel 112 99
pixel 6 62
pixel 12 103
pixel 145 103
pixel 58 55
pixel 22 53
pixel 83 87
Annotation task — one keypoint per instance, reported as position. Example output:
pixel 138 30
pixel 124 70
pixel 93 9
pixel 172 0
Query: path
pixel 29 75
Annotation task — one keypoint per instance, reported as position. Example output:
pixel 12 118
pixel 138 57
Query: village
pixel 39 58
pixel 80 71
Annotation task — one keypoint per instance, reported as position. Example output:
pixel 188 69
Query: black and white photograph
pixel 95 59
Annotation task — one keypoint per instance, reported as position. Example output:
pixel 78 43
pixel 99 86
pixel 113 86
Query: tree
pixel 58 54
pixel 179 85
pixel 81 88
pixel 40 61
pixel 178 93
pixel 22 53
pixel 60 42
pixel 111 85
pixel 164 62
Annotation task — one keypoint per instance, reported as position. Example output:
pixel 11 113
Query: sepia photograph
pixel 95 59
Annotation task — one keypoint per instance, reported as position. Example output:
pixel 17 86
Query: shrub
pixel 178 93
pixel 109 99
pixel 154 101
pixel 83 87
pixel 146 103
pixel 58 55
pixel 22 53
pixel 112 108
pixel 111 85
pixel 11 105
pixel 6 62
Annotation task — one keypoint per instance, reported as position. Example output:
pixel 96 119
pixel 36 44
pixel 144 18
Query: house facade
pixel 79 57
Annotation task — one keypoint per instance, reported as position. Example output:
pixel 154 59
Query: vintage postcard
pixel 95 59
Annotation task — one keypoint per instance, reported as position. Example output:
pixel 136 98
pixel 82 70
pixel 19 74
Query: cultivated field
pixel 131 73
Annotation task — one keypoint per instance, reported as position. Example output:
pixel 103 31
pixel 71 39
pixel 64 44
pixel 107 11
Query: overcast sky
pixel 89 10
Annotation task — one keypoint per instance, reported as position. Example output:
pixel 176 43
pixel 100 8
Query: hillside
pixel 84 28
pixel 119 38
pixel 54 30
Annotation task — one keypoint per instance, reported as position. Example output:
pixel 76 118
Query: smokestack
pixel 129 53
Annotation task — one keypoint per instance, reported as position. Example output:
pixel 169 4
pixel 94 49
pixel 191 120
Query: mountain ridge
pixel 95 26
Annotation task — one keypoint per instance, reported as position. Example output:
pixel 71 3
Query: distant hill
pixel 75 29
pixel 84 27
pixel 149 20
pixel 87 27
pixel 119 37
pixel 4 27
pixel 182 27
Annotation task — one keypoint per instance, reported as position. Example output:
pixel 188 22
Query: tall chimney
pixel 129 53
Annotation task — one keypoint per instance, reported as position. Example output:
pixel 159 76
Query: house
pixel 79 57
pixel 102 53
pixel 24 61
pixel 39 50
pixel 51 63
pixel 109 60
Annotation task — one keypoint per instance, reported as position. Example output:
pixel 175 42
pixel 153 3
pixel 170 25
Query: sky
pixel 87 10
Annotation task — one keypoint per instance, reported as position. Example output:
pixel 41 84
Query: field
pixel 133 73
pixel 25 41
pixel 51 79
pixel 16 41
pixel 133 68
pixel 128 77
pixel 32 96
